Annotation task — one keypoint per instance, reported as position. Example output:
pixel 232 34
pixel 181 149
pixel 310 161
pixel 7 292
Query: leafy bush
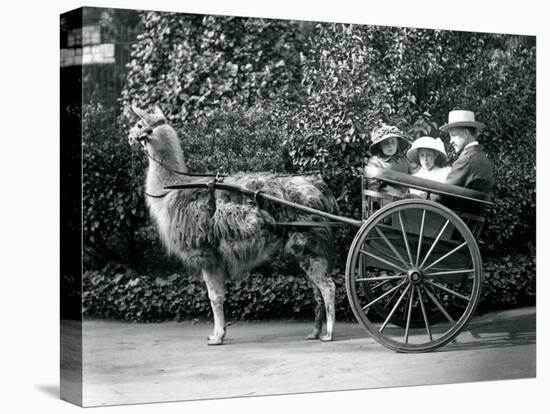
pixel 500 87
pixel 119 293
pixel 359 76
pixel 512 220
pixel 235 139
pixel 192 64
pixel 115 221
pixel 509 281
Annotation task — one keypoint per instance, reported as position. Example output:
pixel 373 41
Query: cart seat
pixel 429 186
pixel 474 220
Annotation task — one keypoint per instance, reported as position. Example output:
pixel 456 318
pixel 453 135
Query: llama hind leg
pixel 316 269
pixel 319 313
pixel 215 283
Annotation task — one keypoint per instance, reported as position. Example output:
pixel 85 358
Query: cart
pixel 413 273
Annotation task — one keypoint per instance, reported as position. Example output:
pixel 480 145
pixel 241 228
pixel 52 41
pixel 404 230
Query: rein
pixel 215 176
pixel 188 174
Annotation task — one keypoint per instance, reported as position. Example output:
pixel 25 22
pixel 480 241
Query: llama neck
pixel 161 161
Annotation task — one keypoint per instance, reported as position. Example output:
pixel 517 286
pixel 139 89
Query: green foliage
pixel 499 84
pixel 119 293
pixel 512 220
pixel 359 76
pixel 116 292
pixel 509 281
pixel 114 214
pixel 191 64
pixel 235 139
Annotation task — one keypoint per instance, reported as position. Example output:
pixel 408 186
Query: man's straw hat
pixel 460 118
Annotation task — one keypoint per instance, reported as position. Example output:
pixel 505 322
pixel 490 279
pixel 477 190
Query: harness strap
pixel 257 198
pixel 156 196
pixel 188 174
pixel 212 201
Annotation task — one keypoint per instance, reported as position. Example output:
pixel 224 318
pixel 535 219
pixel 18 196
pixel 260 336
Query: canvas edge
pixel 71 373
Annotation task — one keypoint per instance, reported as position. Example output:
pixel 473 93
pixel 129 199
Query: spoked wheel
pixel 413 275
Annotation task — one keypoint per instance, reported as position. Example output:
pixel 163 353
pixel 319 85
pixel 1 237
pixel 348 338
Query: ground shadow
pixel 342 333
pixel 480 333
pixel 49 389
pixel 514 331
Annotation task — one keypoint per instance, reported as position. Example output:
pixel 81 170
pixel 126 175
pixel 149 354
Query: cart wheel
pixel 413 275
pixel 383 307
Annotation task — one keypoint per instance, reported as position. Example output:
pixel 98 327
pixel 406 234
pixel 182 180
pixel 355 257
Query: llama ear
pixel 158 112
pixel 140 112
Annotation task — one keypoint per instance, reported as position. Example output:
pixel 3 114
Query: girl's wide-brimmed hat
pixel 385 132
pixel 460 118
pixel 434 144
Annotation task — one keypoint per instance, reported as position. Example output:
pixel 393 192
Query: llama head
pixel 157 137
pixel 144 130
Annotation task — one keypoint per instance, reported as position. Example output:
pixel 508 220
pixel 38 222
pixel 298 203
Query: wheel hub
pixel 415 276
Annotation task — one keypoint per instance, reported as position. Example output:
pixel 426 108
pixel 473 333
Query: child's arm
pixel 373 183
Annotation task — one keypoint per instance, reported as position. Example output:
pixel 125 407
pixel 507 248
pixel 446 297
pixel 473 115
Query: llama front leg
pixel 215 283
pixel 319 313
pixel 317 271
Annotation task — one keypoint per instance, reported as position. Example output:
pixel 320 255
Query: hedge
pixel 123 294
pixel 510 281
pixel 119 293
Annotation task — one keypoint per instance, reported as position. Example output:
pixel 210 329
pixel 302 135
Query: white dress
pixel 438 174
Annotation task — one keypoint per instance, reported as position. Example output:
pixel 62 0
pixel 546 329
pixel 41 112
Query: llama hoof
pixel 313 335
pixel 326 338
pixel 215 340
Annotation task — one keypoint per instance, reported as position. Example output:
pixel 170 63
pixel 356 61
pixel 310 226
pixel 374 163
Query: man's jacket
pixel 472 170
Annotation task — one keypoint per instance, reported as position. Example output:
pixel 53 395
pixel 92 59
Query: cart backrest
pixel 423 184
pixel 371 199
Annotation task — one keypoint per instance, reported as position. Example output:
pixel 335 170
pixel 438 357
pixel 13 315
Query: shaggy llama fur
pixel 225 233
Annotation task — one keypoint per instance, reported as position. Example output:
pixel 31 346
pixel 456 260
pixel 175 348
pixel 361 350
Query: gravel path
pixel 128 363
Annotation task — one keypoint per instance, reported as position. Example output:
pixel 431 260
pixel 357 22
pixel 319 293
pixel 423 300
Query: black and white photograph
pixel 257 206
pixel 292 200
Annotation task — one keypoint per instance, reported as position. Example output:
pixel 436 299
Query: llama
pixel 225 234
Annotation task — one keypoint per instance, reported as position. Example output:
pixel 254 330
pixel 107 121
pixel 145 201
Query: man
pixel 472 169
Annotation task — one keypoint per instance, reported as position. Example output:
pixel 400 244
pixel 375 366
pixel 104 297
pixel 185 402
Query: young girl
pixel 388 151
pixel 430 154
